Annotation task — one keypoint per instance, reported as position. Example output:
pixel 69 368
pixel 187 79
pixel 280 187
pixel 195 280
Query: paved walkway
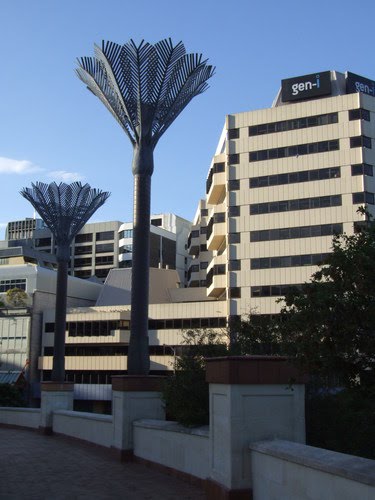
pixel 37 467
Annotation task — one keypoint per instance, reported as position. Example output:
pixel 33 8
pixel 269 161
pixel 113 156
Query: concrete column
pixel 252 398
pixel 54 396
pixel 133 397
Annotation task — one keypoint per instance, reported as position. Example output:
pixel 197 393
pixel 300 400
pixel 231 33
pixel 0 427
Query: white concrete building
pixel 282 182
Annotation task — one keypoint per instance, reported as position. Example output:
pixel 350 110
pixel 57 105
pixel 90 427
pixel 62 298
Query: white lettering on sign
pixel 301 87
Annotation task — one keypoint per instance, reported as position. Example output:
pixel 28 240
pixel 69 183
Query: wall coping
pixel 85 415
pixel 252 370
pixel 19 409
pixel 137 383
pixel 56 386
pixel 170 426
pixel 350 467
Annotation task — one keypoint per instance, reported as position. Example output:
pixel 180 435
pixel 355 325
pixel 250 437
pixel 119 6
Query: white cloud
pixel 11 166
pixel 64 176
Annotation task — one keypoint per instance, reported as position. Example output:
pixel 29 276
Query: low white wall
pixel 282 470
pixel 92 427
pixel 172 445
pixel 23 417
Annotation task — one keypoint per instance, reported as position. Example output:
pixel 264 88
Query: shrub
pixel 10 396
pixel 185 393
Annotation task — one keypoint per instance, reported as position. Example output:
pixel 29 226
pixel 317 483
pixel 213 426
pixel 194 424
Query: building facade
pixel 282 182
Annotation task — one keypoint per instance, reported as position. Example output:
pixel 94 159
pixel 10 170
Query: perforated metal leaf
pixel 145 86
pixel 65 208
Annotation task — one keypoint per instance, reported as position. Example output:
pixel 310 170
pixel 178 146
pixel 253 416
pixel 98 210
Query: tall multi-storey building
pixel 282 182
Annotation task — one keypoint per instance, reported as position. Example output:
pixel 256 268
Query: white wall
pixel 92 427
pixel 172 445
pixel 282 470
pixel 23 417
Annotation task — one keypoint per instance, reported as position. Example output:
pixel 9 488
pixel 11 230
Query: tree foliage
pixel 328 325
pixel 10 396
pixel 185 393
pixel 16 297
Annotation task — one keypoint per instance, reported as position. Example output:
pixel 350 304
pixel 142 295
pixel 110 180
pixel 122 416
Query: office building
pixel 282 182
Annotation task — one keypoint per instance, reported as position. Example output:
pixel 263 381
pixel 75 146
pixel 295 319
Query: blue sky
pixel 52 128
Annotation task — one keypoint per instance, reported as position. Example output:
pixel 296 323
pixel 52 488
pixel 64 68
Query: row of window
pixel 294 177
pixel 100 248
pixel 99 261
pixel 363 197
pixel 297 150
pixel 6 285
pixel 301 176
pixel 299 204
pixel 106 328
pixel 116 350
pixel 300 123
pixel 288 233
pixel 288 261
pixel 91 328
pixel 294 124
pixel 128 233
pixel 272 290
pixel 101 236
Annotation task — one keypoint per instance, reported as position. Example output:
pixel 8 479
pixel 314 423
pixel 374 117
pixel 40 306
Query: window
pixel 234 159
pixel 6 285
pixel 234 293
pixel 43 242
pixel 362 169
pixel 204 212
pixel 234 265
pixel 49 327
pixel 295 177
pixel 83 250
pixel 359 114
pixel 296 232
pixel 272 290
pixel 203 265
pixel 105 260
pixel 360 141
pixel 234 237
pixel 292 205
pixel 105 235
pixel 233 133
pixel 126 249
pixel 128 233
pixel 234 185
pixel 297 150
pixel 294 124
pixel 288 261
pixel 363 197
pixel 83 238
pixel 234 211
pixel 156 222
pixel 203 247
pixel 82 262
pixel 104 247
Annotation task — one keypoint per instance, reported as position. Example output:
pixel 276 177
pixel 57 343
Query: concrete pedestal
pixel 54 396
pixel 251 399
pixel 134 397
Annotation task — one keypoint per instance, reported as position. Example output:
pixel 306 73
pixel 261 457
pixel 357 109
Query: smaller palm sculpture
pixel 65 209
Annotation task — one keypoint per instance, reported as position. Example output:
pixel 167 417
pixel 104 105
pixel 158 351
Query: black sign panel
pixel 356 83
pixel 306 87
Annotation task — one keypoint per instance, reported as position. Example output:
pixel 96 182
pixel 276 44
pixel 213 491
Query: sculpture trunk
pixel 138 355
pixel 58 367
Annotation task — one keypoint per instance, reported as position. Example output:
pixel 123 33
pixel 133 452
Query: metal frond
pixel 144 86
pixel 65 208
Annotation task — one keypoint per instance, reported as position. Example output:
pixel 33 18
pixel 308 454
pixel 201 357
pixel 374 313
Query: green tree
pixel 185 392
pixel 16 297
pixel 10 396
pixel 329 324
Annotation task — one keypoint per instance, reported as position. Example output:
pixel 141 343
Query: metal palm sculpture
pixel 145 87
pixel 65 208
